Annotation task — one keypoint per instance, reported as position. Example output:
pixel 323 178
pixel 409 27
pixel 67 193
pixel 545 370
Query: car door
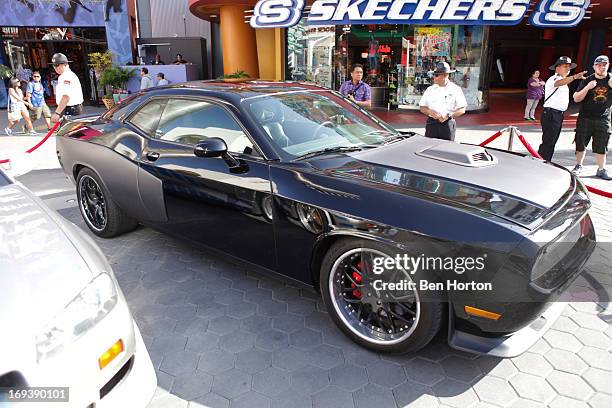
pixel 206 199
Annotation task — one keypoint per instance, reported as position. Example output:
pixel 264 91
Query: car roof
pixel 237 91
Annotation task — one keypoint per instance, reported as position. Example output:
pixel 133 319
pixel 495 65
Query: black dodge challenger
pixel 403 235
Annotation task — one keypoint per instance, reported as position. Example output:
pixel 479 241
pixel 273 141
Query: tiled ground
pixel 223 335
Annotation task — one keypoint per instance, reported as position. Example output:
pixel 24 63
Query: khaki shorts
pixel 39 111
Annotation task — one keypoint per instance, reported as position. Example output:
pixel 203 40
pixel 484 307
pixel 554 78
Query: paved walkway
pixel 222 334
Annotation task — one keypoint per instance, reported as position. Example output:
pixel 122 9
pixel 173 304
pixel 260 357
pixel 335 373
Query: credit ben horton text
pixel 422 285
pixel 412 264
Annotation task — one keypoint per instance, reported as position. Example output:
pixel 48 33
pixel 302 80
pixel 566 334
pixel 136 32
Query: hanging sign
pixel 384 49
pixel 433 41
pixel 547 13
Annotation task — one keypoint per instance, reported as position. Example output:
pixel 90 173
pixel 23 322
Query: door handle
pixel 152 156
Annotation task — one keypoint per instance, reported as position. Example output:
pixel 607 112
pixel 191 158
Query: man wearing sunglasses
pixel 69 94
pixel 35 94
pixel 442 102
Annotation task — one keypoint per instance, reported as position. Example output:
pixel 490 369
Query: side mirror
pixel 216 147
pixel 212 147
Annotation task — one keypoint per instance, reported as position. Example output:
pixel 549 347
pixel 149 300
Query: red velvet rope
pixel 492 138
pixel 44 139
pixel 535 154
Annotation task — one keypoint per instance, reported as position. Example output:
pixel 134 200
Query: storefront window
pixel 398 60
pixel 309 54
pixel 461 46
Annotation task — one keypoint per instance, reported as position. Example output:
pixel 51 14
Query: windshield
pixel 304 122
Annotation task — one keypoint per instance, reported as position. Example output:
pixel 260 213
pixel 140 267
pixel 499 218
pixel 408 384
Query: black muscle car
pixel 300 181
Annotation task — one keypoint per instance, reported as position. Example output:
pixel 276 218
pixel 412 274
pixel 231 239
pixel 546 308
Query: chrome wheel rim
pixel 376 316
pixel 92 203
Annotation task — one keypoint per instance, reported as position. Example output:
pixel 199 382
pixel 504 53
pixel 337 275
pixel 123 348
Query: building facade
pixel 398 58
pixel 32 31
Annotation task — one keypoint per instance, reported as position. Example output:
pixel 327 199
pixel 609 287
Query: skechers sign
pixel 547 13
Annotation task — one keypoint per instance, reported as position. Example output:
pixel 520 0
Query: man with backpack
pixel 35 94
pixel 556 101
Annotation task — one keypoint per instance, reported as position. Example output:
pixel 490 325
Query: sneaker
pixel 8 131
pixel 527 119
pixel 533 119
pixel 32 132
pixel 577 169
pixel 603 174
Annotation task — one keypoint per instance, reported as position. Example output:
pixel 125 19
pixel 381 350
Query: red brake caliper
pixel 357 278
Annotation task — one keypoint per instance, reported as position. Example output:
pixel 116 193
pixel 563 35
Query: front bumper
pixel 506 346
pixel 127 381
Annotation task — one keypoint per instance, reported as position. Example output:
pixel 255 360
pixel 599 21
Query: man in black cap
pixel 68 93
pixel 442 102
pixel 595 95
pixel 556 101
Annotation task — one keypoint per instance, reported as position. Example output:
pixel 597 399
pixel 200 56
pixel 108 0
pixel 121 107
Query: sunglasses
pixel 35 76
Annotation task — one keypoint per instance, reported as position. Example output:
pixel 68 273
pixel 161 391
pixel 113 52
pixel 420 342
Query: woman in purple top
pixel 535 92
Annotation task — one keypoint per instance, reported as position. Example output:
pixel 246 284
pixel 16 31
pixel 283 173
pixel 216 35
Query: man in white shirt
pixel 161 79
pixel 556 101
pixel 146 81
pixel 68 92
pixel 442 102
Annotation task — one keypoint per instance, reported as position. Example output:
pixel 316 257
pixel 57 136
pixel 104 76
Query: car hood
pixel 41 271
pixel 513 186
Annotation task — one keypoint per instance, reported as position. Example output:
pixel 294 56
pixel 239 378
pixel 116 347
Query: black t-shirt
pixel 598 101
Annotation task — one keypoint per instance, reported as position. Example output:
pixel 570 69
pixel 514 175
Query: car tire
pixel 101 214
pixel 428 317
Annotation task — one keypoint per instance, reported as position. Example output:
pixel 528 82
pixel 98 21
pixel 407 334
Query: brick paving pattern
pixel 223 335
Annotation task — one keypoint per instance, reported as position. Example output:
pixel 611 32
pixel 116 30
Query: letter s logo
pixel 277 13
pixel 559 13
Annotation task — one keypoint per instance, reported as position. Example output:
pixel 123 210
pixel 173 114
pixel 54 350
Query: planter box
pixel 119 97
pixel 109 103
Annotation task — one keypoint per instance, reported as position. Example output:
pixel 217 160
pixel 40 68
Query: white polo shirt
pixel 68 84
pixel 560 99
pixel 443 99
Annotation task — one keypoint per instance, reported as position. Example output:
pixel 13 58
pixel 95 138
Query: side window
pixel 147 117
pixel 188 122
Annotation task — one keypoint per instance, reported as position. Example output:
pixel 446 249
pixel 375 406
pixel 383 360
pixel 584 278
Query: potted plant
pixel 237 76
pixel 116 78
pixel 101 61
pixel 5 72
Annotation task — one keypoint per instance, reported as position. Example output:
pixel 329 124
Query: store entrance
pixel 398 60
pixel 31 49
pixel 518 53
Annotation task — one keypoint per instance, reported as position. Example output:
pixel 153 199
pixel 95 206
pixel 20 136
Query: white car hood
pixel 41 271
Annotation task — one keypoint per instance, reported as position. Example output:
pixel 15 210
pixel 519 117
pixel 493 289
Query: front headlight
pixel 82 313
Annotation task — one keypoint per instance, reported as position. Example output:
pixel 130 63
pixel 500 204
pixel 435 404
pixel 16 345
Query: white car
pixel 64 322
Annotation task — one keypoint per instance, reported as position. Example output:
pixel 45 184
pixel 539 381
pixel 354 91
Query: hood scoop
pixel 463 155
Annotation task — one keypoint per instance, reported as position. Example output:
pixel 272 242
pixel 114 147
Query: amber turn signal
pixel 110 354
pixel 481 313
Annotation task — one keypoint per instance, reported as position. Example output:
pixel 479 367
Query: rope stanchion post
pixel 511 138
pixel 515 131
pixel 535 154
